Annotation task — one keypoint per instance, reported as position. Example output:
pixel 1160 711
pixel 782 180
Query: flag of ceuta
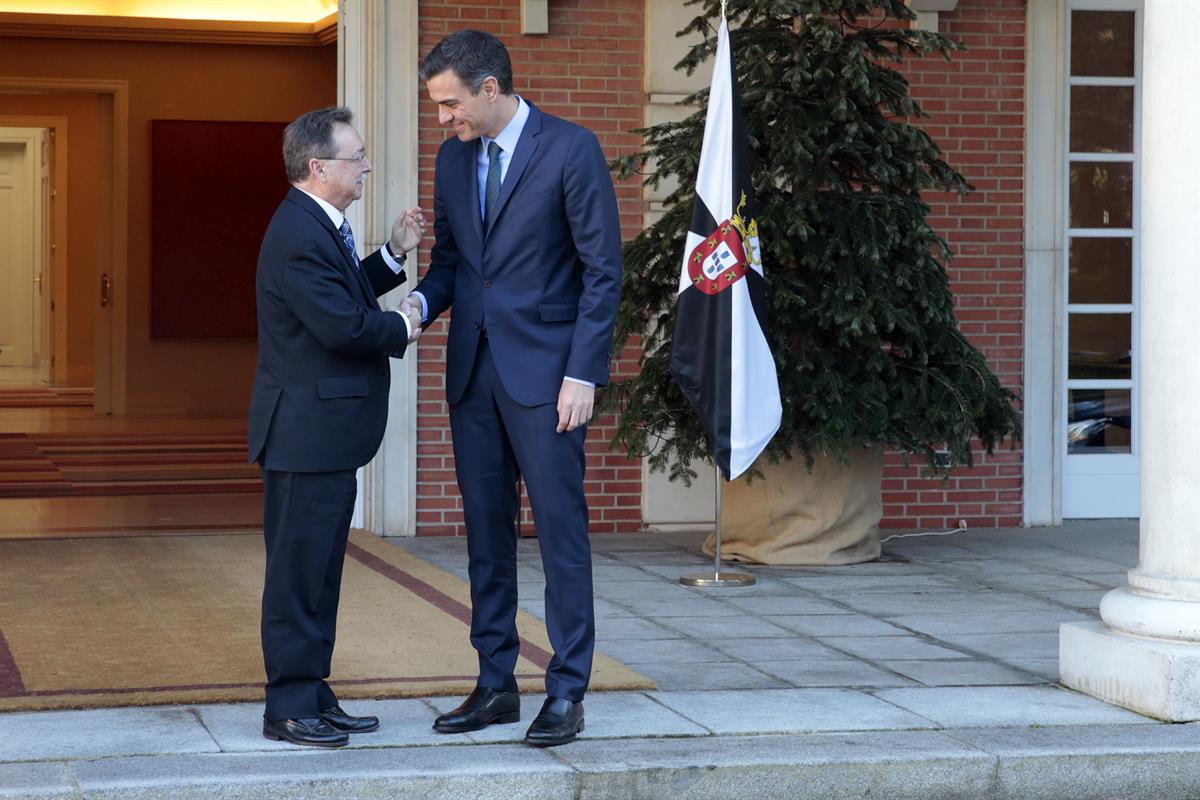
pixel 719 354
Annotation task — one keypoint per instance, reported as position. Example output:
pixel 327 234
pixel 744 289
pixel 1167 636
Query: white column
pixel 377 64
pixel 1146 654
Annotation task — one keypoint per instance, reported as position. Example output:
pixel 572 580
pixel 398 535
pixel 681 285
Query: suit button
pixel 487 284
pixel 477 326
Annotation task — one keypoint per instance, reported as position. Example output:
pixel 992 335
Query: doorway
pixel 26 321
pixel 1101 387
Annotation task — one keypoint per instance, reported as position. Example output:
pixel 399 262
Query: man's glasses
pixel 358 159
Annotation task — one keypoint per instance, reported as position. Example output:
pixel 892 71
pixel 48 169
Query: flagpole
pixel 717 578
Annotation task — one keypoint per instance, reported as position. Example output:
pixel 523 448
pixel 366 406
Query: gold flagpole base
pixel 717 579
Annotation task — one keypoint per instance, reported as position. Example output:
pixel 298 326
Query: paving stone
pixel 1037 582
pixel 792 711
pixel 888 648
pixel 785 649
pixel 506 772
pixel 837 584
pixel 672 676
pixel 981 602
pixel 100 733
pixel 238 728
pixel 962 672
pixel 1003 706
pixel 1043 667
pixel 606 714
pixel 660 651
pixel 46 781
pixel 1021 622
pixel 789 605
pixel 627 628
pixel 847 673
pixel 1008 645
pixel 912 766
pixel 710 627
pixel 1131 762
pixel 838 625
pixel 687 607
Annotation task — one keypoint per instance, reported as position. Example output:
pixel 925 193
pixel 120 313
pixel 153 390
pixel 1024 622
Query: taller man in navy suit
pixel 318 410
pixel 528 254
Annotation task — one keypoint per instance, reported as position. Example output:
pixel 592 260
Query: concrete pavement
pixel 928 674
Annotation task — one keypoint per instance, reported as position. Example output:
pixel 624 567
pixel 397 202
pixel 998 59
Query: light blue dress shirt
pixel 507 139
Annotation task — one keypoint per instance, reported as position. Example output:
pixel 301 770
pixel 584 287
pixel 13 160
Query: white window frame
pixel 1112 469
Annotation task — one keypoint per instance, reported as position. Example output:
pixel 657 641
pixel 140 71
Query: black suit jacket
pixel 321 385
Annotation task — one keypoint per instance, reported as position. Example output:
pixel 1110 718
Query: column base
pixel 1150 676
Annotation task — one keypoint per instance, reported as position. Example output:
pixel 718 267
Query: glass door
pixel 1100 330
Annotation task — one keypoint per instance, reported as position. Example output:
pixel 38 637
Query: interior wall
pixel 172 81
pixel 83 125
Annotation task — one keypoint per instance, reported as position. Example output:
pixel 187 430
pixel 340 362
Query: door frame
pixel 111 335
pixel 28 141
pixel 1045 394
pixel 56 277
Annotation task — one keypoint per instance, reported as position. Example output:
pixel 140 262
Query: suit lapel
pixel 526 145
pixel 472 179
pixel 356 273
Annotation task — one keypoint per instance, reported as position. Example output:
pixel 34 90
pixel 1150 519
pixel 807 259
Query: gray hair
pixel 311 136
pixel 474 56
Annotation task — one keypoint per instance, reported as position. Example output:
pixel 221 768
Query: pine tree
pixel 862 323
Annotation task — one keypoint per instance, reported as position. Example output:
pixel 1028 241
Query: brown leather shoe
pixel 311 732
pixel 339 720
pixel 482 707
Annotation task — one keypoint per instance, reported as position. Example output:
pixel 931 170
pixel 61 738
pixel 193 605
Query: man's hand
pixel 574 405
pixel 414 318
pixel 408 230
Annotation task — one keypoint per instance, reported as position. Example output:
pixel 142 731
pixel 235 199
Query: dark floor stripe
pixel 436 597
pixel 11 684
pixel 199 687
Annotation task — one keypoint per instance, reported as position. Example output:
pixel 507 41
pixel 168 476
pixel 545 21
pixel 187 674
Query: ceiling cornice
pixel 148 29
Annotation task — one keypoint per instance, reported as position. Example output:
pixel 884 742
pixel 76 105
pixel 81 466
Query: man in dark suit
pixel 318 410
pixel 528 254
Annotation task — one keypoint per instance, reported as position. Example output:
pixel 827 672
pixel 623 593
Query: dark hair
pixel 311 136
pixel 473 55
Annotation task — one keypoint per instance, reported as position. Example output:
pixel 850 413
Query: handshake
pixel 411 308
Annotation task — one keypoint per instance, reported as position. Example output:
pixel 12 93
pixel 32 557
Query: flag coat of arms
pixel 719 352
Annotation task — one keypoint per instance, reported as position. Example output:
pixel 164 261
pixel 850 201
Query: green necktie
pixel 491 193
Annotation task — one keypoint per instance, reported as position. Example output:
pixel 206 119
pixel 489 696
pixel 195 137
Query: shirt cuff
pixel 424 305
pixel 395 264
pixel 403 316
pixel 576 380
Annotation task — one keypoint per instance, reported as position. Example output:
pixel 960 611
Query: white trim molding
pixel 377 58
pixel 928 10
pixel 1042 395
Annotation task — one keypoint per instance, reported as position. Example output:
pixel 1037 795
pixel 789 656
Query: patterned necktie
pixel 491 194
pixel 348 238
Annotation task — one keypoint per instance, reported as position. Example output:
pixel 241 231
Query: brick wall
pixel 589 70
pixel 977 103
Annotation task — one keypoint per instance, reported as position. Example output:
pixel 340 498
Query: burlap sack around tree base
pixel 792 516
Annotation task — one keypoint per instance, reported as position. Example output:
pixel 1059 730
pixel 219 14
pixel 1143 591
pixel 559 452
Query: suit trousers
pixel 496 441
pixel 306 522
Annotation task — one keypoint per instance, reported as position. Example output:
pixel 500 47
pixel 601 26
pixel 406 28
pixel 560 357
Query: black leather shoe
pixel 559 721
pixel 482 707
pixel 341 721
pixel 312 732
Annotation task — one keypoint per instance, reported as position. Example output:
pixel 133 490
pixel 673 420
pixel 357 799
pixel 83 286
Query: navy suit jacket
pixel 545 279
pixel 320 394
